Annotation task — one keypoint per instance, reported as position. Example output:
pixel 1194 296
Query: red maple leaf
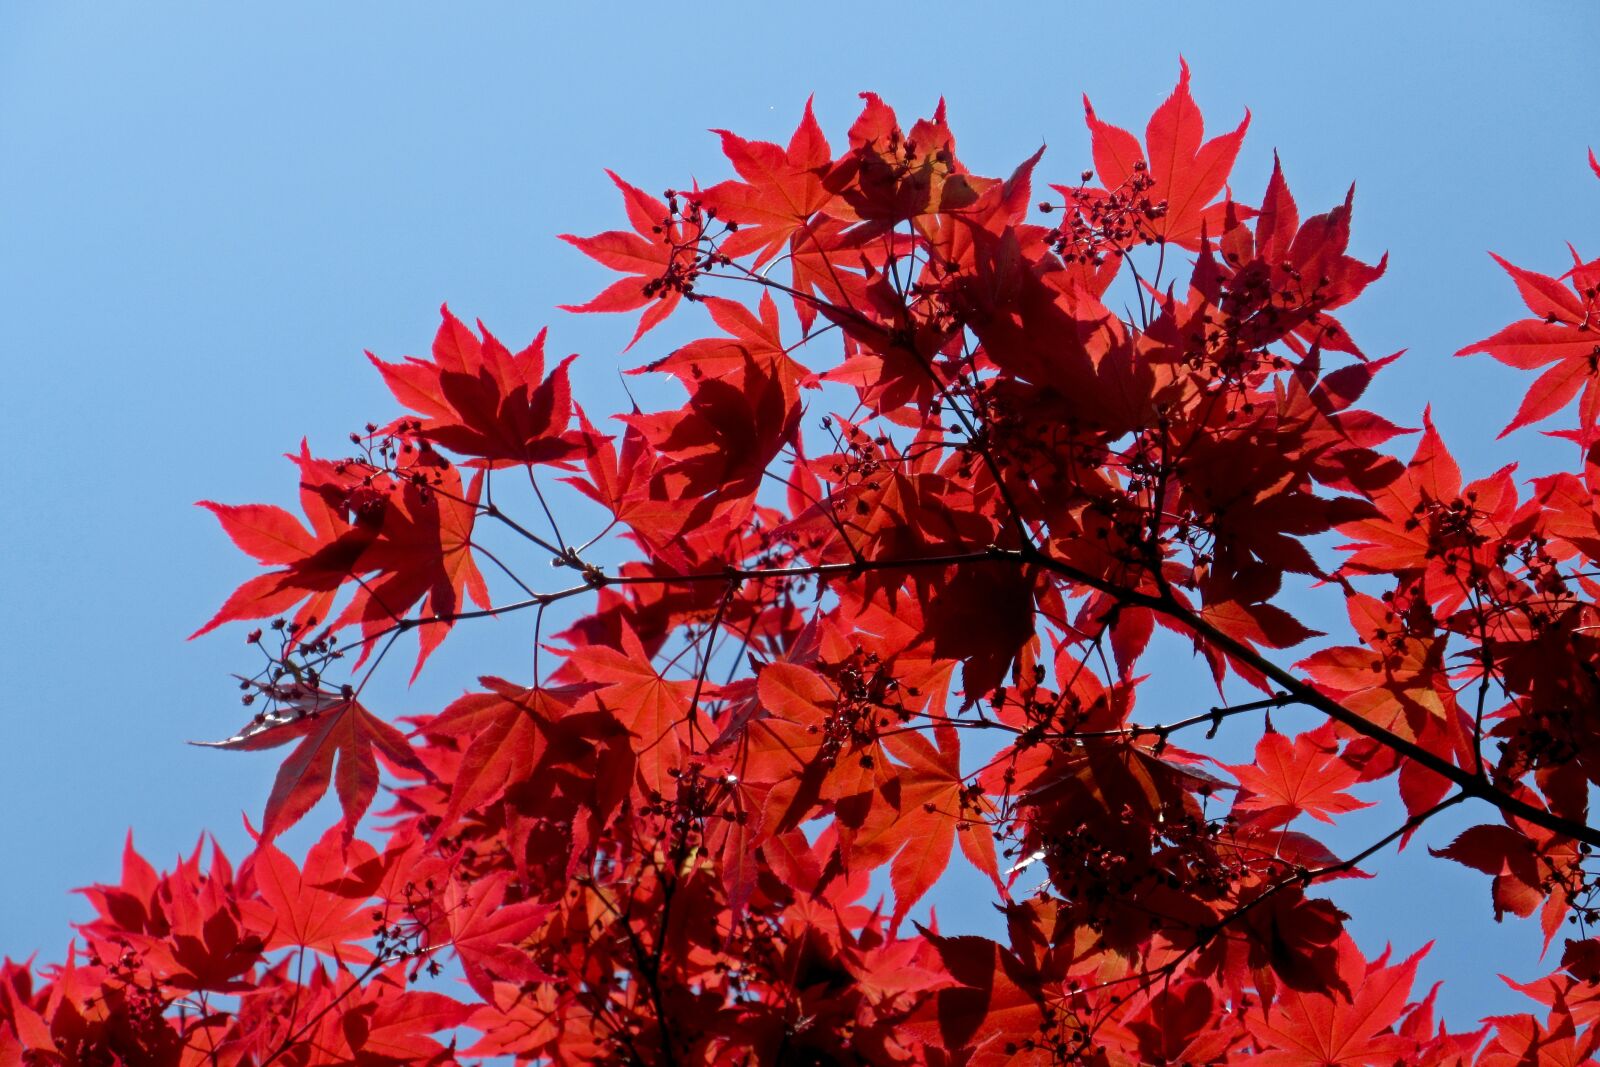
pixel 782 189
pixel 502 732
pixel 410 530
pixel 1562 332
pixel 660 256
pixel 296 907
pixel 937 808
pixel 1397 680
pixel 381 1021
pixel 1187 174
pixel 1322 1029
pixel 1531 870
pixel 1289 778
pixel 1282 280
pixel 485 931
pixel 331 727
pixel 480 400
pixel 653 709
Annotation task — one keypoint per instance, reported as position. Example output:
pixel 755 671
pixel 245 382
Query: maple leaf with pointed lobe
pixel 381 1022
pixel 1286 275
pixel 1305 775
pixel 1531 869
pixel 753 339
pixel 1397 680
pixel 988 1006
pixel 478 399
pixel 1182 1026
pixel 187 924
pixel 331 728
pixel 485 931
pixel 801 743
pixel 297 907
pixel 889 176
pixel 314 564
pixel 1323 1029
pixel 502 734
pixel 1562 332
pixel 937 808
pixel 782 189
pixel 1523 1041
pixel 653 709
pixel 743 407
pixel 1187 173
pixel 400 537
pixel 660 257
pixel 1429 523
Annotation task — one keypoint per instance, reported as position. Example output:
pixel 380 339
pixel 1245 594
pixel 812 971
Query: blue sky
pixel 210 210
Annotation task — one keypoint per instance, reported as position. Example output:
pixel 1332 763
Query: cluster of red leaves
pixel 659 848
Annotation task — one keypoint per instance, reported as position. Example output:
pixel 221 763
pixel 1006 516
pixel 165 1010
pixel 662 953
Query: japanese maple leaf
pixel 1562 332
pixel 331 729
pixel 1323 1029
pixel 734 425
pixel 1529 870
pixel 1430 523
pixel 423 552
pixel 1287 275
pixel 622 479
pixel 1305 775
pixel 409 532
pixel 753 339
pixel 782 189
pixel 808 747
pixel 485 931
pixel 131 905
pixel 1521 1041
pixel 313 564
pixel 1004 598
pixel 651 708
pixel 186 924
pixel 991 1003
pixel 1510 857
pixel 889 175
pixel 1395 680
pixel 1340 440
pixel 503 734
pixel 821 254
pixel 936 809
pixel 1188 175
pixel 381 1020
pixel 1182 1026
pixel 480 400
pixel 659 256
pixel 295 906
pixel 1401 538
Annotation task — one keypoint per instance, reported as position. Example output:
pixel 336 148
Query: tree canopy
pixel 880 590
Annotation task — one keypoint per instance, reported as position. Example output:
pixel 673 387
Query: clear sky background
pixel 207 212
